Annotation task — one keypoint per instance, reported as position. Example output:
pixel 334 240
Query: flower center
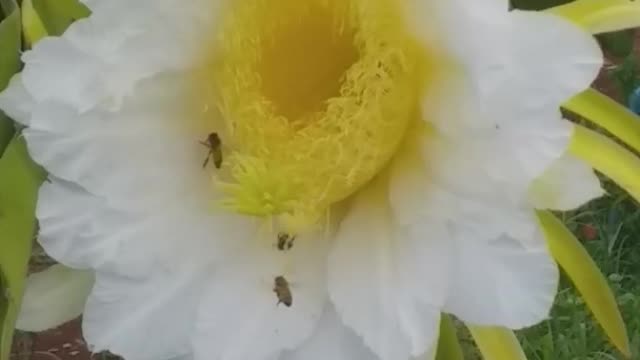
pixel 310 99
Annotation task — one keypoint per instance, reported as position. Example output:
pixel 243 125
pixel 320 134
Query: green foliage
pixel 9 60
pixel 627 75
pixel 19 182
pixel 57 15
pixel 618 44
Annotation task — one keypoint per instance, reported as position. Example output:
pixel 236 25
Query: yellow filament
pixel 311 98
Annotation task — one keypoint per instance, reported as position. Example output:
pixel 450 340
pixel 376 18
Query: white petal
pixel 82 231
pixel 74 225
pixel 331 340
pixel 495 112
pixel 16 102
pixel 53 297
pixel 502 273
pixel 517 62
pixel 87 148
pixel 387 283
pixel 502 281
pixel 150 268
pixel 566 185
pixel 144 319
pixel 550 60
pixel 502 161
pixel 240 316
pixel 100 59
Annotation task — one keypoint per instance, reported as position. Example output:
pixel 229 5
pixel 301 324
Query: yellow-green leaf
pixel 599 16
pixel 19 182
pixel 448 344
pixel 586 277
pixel 497 343
pixel 57 15
pixel 611 116
pixel 608 157
pixel 9 60
pixel 33 27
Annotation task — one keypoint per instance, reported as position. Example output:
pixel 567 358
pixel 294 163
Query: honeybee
pixel 214 144
pixel 285 241
pixel 282 290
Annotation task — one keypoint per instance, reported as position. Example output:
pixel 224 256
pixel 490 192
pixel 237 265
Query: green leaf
pixel 497 343
pixel 626 75
pixel 586 277
pixel 9 60
pixel 605 112
pixel 19 183
pixel 600 16
pixel 57 15
pixel 448 344
pixel 606 156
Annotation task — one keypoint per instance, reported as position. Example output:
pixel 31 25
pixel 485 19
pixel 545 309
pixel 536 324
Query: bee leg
pixel 206 161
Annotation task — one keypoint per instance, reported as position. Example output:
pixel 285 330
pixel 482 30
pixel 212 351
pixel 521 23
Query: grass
pixel 610 230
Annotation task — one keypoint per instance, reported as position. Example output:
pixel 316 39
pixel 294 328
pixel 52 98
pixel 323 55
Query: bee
pixel 285 241
pixel 214 144
pixel 282 290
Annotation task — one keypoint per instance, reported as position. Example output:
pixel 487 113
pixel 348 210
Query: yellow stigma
pixel 311 99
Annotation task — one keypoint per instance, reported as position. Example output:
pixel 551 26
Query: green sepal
pixel 608 114
pixel 608 157
pixel 448 343
pixel 587 278
pixel 601 16
pixel 497 343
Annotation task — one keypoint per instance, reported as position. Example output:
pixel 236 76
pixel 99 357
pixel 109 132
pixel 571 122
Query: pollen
pixel 311 99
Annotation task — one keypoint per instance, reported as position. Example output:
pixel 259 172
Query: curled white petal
pixel 53 297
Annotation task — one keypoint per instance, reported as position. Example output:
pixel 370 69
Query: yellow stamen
pixel 312 99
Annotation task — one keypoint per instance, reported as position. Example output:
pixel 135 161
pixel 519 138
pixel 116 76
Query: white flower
pixel 383 157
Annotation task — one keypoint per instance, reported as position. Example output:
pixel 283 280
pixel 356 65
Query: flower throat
pixel 311 99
